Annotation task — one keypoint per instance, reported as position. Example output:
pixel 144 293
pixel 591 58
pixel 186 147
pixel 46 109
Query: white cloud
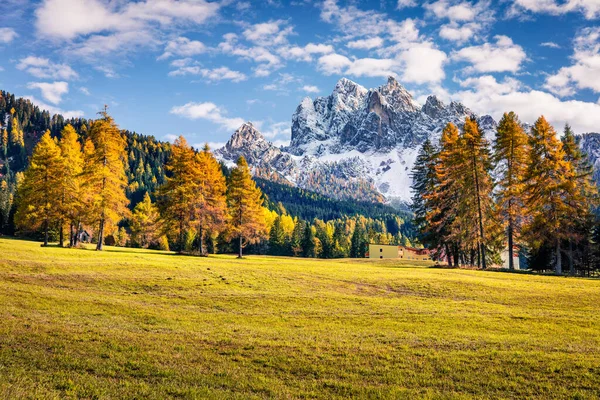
pixel 97 46
pixel 372 67
pixel 211 75
pixel 406 4
pixel 54 110
pixel 334 63
pixel 488 96
pixel 7 35
pixel 504 56
pixel 463 11
pixel 269 33
pixel 589 8
pixel 267 61
pixel 281 83
pixel 43 68
pixel 419 64
pixel 423 64
pixel 304 53
pixel 366 44
pixel 84 90
pixel 459 33
pixel 584 72
pixel 183 47
pixel 52 92
pixel 310 89
pixel 208 111
pixel 68 19
pixel 550 44
pixel 109 72
pixel 282 130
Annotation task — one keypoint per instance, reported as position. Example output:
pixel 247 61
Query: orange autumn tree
pixel 70 202
pixel 546 191
pixel 511 150
pixel 247 220
pixel 177 196
pixel 210 206
pixel 107 176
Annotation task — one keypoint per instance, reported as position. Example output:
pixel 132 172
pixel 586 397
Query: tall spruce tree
pixel 247 220
pixel 511 149
pixel 424 186
pixel 39 192
pixel 581 193
pixel 108 177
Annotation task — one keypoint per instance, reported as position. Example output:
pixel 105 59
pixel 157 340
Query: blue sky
pixel 200 68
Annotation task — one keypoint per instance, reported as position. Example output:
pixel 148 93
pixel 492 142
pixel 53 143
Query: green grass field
pixel 129 323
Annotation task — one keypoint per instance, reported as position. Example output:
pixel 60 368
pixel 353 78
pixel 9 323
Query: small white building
pixel 505 257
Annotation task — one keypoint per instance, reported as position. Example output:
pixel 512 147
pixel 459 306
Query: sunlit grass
pixel 129 323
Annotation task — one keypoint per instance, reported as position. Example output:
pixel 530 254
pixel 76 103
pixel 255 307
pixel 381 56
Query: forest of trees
pixel 64 180
pixel 526 190
pixel 93 180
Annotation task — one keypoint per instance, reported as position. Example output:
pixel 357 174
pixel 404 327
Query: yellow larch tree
pixel 247 221
pixel 39 193
pixel 108 177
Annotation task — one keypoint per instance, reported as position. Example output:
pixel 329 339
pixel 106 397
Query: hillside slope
pixel 129 323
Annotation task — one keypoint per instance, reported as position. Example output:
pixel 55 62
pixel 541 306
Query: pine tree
pixel 546 181
pixel 308 242
pixel 247 222
pixel 38 194
pixel 70 203
pixel 144 220
pixel 176 198
pixel 277 238
pixel 424 186
pixel 109 178
pixel 510 154
pixel 359 243
pixel 581 193
pixel 295 244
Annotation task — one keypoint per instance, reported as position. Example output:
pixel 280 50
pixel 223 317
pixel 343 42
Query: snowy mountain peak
pixel 366 136
pixel 433 107
pixel 397 96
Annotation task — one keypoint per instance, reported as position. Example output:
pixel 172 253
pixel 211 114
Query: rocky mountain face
pixel 355 143
pixel 590 144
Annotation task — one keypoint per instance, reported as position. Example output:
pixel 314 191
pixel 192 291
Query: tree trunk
pixel 558 268
pixel 511 262
pixel 456 258
pixel 71 235
pixel 77 231
pixel 181 242
pixel 240 253
pixel 61 239
pixel 571 265
pixel 45 233
pixel 99 246
pixel 201 240
pixel 448 256
pixel 481 235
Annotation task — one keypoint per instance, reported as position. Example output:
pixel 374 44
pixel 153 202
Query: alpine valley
pixel 356 143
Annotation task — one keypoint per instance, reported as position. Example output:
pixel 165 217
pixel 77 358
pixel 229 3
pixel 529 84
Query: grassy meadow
pixel 127 323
